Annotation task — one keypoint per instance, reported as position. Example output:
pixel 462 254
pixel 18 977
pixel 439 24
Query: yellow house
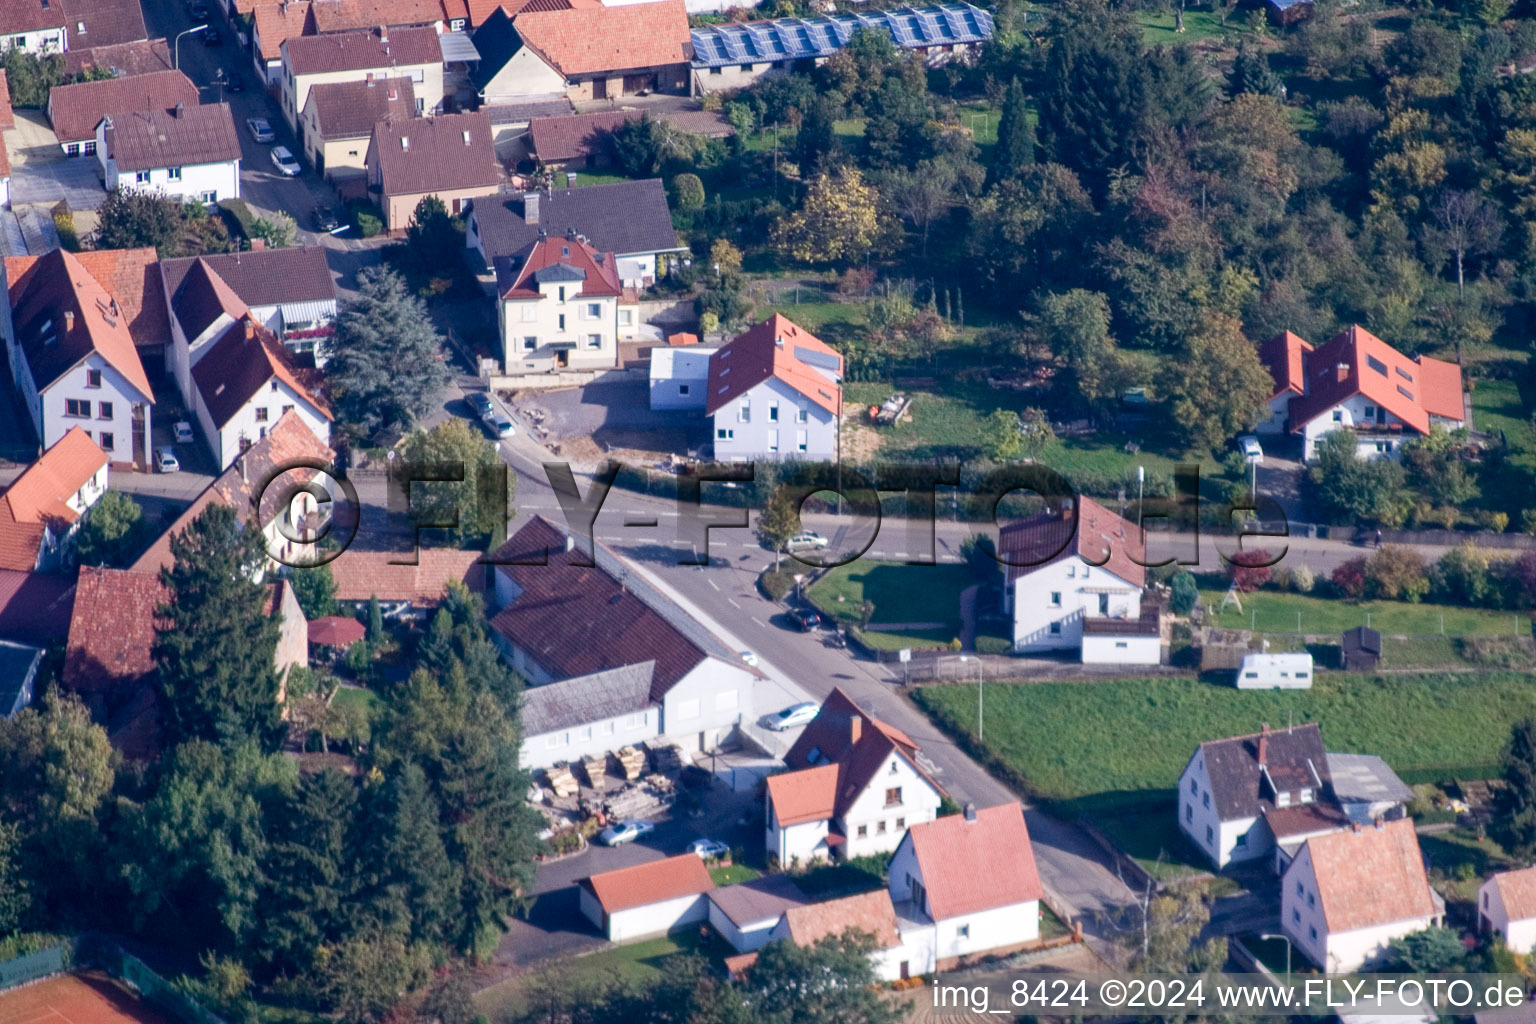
pixel 562 306
pixel 358 56
pixel 451 156
pixel 338 119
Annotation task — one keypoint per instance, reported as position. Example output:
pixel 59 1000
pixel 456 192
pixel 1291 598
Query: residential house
pixel 291 292
pixel 35 606
pixel 7 115
pixel 5 175
pixel 1074 578
pixel 510 123
pixel 283 510
pixel 91 23
pixel 542 619
pixel 1347 894
pixel 602 53
pixel 450 156
pixel 273 24
pixel 18 674
pixel 132 278
pixel 338 119
pixel 76 110
pixel 746 913
pixel 356 56
pixel 561 305
pixel 1358 381
pixel 587 715
pixel 854 788
pixel 121 60
pixel 647 900
pixel 508 71
pixel 679 377
pixel 1366 789
pixel 74 358
pixel 43 507
pixel 630 219
pixel 735 54
pixel 869 912
pixel 948 913
pixel 404 587
pixel 189 152
pixel 576 142
pixel 774 393
pixel 33 26
pixel 1506 905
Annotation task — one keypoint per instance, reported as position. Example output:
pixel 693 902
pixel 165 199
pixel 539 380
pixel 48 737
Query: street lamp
pixel 176 60
pixel 1287 940
pixel 981 725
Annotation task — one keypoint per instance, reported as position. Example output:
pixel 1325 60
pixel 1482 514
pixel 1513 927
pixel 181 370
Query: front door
pixel 1103 604
pixel 563 357
pixel 599 88
pixel 140 449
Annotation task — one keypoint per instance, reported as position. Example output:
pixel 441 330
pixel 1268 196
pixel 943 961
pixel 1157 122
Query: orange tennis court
pixel 88 998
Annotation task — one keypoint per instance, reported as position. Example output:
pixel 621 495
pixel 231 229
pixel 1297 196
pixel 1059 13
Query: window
pixel 73 149
pixel 1210 835
pixel 261 414
pixel 893 796
pixel 1189 813
pixel 626 317
pixel 880 828
pixel 418 76
pixel 1370 412
pixel 1242 840
pixel 76 407
pixel 1404 374
pixel 560 322
pixel 1312 931
pixel 1338 416
pixel 1194 787
pixel 725 434
pixel 901 824
pixel 552 741
pixel 1311 899
pixel 773 412
pixel 682 389
pixel 421 106
pixel 594 310
pixel 1306 796
pixel 892 769
pixel 1055 599
pixel 1122 643
pixel 103 410
pixel 634 721
pixel 1405 393
pixel 529 344
pixel 173 173
pixel 1296 915
pixel 561 290
pixel 106 441
pixel 1283 799
pixel 688 709
pixel 1055 629
pixel 801 415
pixel 801 441
pixel 586 734
pixel 744 412
pixel 863 831
pixel 140 177
pixel 1206 800
pixel 963 932
pixel 717 71
pixel 773 440
pixel 1376 364
pixel 1250 675
pixel 607 728
pixel 210 197
pixel 93 378
pixel 530 312
pixel 594 341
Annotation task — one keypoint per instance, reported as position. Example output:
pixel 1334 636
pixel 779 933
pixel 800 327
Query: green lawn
pixel 1158 27
pixel 1149 832
pixel 1275 612
pixel 354 695
pixel 733 874
pixel 829 319
pixel 595 178
pixel 901 593
pixel 1497 405
pixel 1112 741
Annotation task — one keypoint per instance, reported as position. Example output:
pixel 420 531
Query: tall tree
pixel 1251 73
pixel 215 647
pixel 1091 107
pixel 1015 148
pixel 1349 489
pixel 309 873
pixel 778 522
pixel 1074 326
pixel 408 884
pixel 1463 224
pixel 816 139
pixel 838 222
pixel 385 360
pixel 831 982
pixel 315 589
pixel 111 531
pixel 1515 824
pixel 1216 386
pixel 481 501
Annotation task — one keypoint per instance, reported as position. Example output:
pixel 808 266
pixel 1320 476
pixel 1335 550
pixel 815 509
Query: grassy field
pixel 1110 742
pixel 1149 832
pixel 733 874
pixel 901 593
pixel 1497 405
pixel 1274 612
pixel 1159 27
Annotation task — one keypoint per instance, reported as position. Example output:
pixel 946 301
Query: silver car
pixel 283 158
pixel 260 129
pixel 795 714
pixel 625 832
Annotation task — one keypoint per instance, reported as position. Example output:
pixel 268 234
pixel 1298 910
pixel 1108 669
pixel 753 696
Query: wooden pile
pixel 632 760
pixel 669 758
pixel 562 781
pixel 597 770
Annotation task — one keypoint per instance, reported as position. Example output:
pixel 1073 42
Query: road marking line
pixel 713 584
pixel 733 603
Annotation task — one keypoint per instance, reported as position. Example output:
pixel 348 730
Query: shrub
pixel 1280 576
pixel 1462 576
pixel 687 192
pixel 1349 578
pixel 64 224
pixel 993 645
pixel 1302 580
pixel 1185 592
pixel 1528 521
pixel 1252 569
pixel 1396 573
pixel 366 218
pixel 776 583
pixel 239 218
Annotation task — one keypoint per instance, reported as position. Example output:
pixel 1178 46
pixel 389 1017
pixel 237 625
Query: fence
pixel 98 951
pixel 33 966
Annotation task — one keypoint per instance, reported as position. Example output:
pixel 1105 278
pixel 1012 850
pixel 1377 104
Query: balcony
pixel 1148 624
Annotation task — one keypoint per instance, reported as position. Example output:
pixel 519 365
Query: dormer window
pixel 1307 796
pixel 892 770
pixel 1283 799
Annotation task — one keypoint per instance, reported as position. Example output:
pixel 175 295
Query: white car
pixel 749 659
pixel 283 158
pixel 260 129
pixel 1249 446
pixel 183 432
pixel 708 849
pixel 499 423
pixel 165 461
pixel 795 714
pixel 625 832
pixel 805 541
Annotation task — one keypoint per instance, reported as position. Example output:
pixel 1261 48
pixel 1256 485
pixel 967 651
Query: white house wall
pixel 761 436
pixel 540 323
pixel 1352 413
pixel 1122 650
pixel 656 918
pixel 597 737
pixel 1223 842
pixel 1035 610
pixel 1301 916
pixel 114 389
pixel 275 398
pixel 522 79
pixel 797 844
pixel 197 181
pixel 884 826
pixel 705 706
pixel 743 939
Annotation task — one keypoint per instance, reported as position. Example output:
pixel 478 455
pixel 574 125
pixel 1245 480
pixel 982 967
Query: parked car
pixel 499 423
pixel 197 11
pixel 165 461
pixel 183 432
pixel 260 129
pixel 806 541
pixel 212 38
pixel 282 156
pixel 749 659
pixel 804 618
pixel 795 714
pixel 480 403
pixel 1249 446
pixel 325 218
pixel 234 82
pixel 708 849
pixel 625 832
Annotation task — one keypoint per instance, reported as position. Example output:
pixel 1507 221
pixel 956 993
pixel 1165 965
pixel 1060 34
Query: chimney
pixel 383 33
pixel 531 208
pixel 1343 371
pixel 855 729
pixel 250 328
pixel 970 813
pixel 394 94
pixel 69 320
pixel 570 234
pixel 1066 508
pixel 1380 822
pixel 1264 743
pixel 570 542
pixel 1355 825
pixel 258 244
pixel 180 109
pixel 779 341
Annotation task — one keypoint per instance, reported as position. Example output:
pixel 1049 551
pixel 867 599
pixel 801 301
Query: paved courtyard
pixel 41 173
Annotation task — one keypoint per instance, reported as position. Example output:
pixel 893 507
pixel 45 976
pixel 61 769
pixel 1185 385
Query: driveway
pixel 41 173
pixel 616 415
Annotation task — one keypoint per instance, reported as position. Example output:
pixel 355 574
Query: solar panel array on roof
pixel 809 38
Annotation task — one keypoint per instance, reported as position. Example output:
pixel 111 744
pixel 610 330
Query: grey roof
pixel 457 48
pixel 18 665
pixel 559 272
pixel 1237 782
pixel 349 110
pixel 523 113
pixel 1365 778
pixel 626 218
pixel 586 699
pixel 762 899
pixel 756 42
pixel 1362 638
pixel 188 135
pixel 266 277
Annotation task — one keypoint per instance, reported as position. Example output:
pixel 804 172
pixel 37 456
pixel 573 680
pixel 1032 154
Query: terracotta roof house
pixel 1074 578
pixel 1506 904
pixel 648 899
pixel 854 788
pixel 562 305
pixel 76 110
pixel 746 913
pixel 773 391
pixel 358 55
pixel 104 23
pixel 35 606
pixel 33 26
pixel 510 122
pixel 272 24
pixel 123 60
pixel 576 141
pixel 481 11
pixel 362 574
pixel 42 508
pixel 451 156
pixel 75 360
pixel 345 15
pixel 289 291
pixel 1347 894
pixel 1359 382
pixel 338 119
pixel 132 278
pixel 603 52
pixel 7 115
pixel 871 913
pixel 630 219
pixel 187 151
pixel 547 594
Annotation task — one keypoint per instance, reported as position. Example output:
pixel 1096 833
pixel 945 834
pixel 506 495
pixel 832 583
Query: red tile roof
pixel 777 347
pixel 112 630
pixel 589 40
pixel 39 497
pixel 349 110
pixel 652 882
pixel 480 10
pixel 1371 877
pixel 806 795
pixel 598 272
pixel 278 22
pixel 1303 820
pixel 123 60
pixel 870 912
pixel 1284 356
pixel 342 15
pixel 7 115
pixel 428 154
pixel 362 49
pixel 1049 537
pixel 976 865
pixel 243 361
pixel 575 136
pixel 29 15
pixel 360 575
pixel 132 277
pixel 35 606
pixel 1356 362
pixel 76 110
pixel 188 135
pixel 103 23
pixel 1517 891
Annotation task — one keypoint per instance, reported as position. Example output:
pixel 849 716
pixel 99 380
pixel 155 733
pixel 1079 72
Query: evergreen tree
pixel 1515 824
pixel 385 360
pixel 817 138
pixel 409 886
pixel 1015 148
pixel 1092 102
pixel 309 873
pixel 215 648
pixel 375 620
pixel 1251 73
pixel 315 589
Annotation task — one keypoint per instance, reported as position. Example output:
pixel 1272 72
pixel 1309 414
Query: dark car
pixel 234 83
pixel 198 12
pixel 806 619
pixel 325 218
pixel 212 38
